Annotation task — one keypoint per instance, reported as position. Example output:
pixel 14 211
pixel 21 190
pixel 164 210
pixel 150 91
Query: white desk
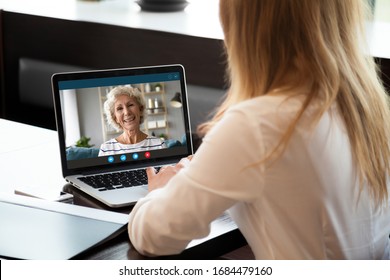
pixel 29 156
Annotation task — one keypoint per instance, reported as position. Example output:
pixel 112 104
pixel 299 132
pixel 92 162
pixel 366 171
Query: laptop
pixel 112 175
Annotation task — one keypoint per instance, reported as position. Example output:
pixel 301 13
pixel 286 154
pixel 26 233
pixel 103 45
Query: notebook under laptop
pixel 106 172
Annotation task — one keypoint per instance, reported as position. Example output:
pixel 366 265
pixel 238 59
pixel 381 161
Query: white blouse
pixel 113 147
pixel 305 205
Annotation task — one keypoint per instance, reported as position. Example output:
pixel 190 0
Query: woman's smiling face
pixel 127 112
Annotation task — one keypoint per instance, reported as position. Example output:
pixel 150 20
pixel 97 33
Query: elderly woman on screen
pixel 124 109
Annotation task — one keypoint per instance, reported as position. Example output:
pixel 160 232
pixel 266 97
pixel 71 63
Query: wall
pixel 89 114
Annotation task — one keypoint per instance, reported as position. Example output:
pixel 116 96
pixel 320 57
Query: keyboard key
pixel 117 180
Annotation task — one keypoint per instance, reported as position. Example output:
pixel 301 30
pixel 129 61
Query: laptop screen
pixel 111 118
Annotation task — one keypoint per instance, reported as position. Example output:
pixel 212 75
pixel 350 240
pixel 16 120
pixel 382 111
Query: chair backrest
pixel 32 48
pixel 384 64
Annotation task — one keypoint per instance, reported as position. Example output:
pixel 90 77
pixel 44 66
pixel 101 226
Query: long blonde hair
pixel 321 41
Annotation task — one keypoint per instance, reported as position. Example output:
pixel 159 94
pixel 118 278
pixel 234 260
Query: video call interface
pixel 86 128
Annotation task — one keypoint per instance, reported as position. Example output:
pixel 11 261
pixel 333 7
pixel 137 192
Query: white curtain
pixel 70 117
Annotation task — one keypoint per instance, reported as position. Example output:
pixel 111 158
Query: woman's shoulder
pixel 153 139
pixel 267 105
pixel 112 141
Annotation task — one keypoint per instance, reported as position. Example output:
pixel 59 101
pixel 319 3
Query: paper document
pixel 222 225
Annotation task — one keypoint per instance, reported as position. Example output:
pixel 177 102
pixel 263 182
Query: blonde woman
pixel 298 152
pixel 125 109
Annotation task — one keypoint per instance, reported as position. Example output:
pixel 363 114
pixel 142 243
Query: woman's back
pixel 309 206
pixel 299 149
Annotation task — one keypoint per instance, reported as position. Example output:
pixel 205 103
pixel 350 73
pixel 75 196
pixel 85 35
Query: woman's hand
pixel 160 179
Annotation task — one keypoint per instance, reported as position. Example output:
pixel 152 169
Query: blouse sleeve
pixel 225 170
pixel 101 152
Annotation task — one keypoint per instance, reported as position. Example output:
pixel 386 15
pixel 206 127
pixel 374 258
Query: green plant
pixel 163 136
pixel 84 142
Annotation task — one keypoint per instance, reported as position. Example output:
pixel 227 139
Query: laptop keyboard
pixel 117 180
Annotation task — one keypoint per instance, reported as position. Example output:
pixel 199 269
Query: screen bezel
pixel 110 167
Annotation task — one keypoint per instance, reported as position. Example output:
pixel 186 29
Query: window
pixel 382 10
